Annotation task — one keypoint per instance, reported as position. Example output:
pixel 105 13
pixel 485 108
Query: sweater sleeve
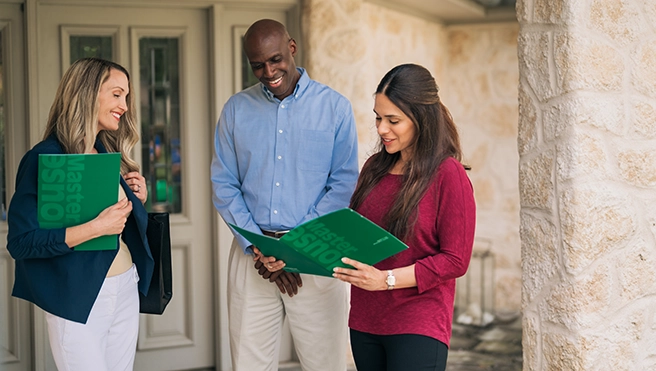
pixel 25 240
pixel 455 226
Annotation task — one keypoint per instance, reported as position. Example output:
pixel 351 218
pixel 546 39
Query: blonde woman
pixel 91 297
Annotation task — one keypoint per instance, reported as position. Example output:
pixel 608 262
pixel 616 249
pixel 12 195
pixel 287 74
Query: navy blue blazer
pixel 48 273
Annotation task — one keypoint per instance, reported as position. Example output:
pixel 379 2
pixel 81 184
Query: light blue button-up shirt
pixel 278 164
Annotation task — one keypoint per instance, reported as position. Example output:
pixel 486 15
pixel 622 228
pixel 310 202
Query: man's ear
pixel 292 46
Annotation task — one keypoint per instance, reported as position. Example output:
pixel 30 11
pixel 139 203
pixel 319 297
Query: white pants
pixel 256 310
pixel 108 341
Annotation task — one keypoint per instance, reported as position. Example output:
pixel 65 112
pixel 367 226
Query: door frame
pixel 20 353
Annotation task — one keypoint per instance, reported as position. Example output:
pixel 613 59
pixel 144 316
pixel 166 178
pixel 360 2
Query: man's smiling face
pixel 272 60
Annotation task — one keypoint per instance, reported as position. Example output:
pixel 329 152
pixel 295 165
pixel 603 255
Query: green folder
pixel 74 189
pixel 317 246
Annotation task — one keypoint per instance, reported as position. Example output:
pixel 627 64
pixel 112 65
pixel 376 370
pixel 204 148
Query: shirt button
pixel 275 211
pixel 277 184
pixel 280 131
pixel 279 157
pixel 282 106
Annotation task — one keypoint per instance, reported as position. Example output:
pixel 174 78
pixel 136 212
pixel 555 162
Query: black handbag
pixel 160 291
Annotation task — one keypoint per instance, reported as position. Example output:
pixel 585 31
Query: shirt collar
pixel 301 86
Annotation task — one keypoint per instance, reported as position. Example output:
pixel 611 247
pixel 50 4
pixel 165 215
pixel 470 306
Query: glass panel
pixel 160 122
pixel 91 46
pixel 3 189
pixel 247 77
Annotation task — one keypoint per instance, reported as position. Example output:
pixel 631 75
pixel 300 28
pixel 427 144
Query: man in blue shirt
pixel 285 152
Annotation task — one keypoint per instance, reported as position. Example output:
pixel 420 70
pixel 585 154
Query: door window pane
pixel 3 188
pixel 91 46
pixel 160 122
pixel 248 79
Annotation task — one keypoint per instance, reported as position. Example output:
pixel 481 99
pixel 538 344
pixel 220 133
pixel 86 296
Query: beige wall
pixel 480 89
pixel 351 44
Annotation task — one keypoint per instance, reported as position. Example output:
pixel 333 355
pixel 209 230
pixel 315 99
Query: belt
pixel 274 234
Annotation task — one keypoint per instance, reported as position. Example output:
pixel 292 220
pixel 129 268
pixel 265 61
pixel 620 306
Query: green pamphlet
pixel 74 189
pixel 317 246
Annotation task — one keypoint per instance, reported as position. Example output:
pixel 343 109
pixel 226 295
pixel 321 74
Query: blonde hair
pixel 73 116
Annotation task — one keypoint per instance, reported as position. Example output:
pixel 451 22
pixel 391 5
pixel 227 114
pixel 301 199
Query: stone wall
pixel 587 139
pixel 480 88
pixel 351 44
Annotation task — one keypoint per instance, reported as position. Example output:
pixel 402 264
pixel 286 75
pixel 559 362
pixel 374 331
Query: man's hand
pixel 287 282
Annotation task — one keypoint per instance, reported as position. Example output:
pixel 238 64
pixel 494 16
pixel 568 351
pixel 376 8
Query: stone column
pixel 587 143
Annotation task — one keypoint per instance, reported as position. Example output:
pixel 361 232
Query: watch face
pixel 391 280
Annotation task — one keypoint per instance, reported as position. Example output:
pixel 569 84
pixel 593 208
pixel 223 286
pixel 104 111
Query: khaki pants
pixel 256 310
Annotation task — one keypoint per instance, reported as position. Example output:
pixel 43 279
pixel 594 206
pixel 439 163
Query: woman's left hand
pixel 137 184
pixel 363 276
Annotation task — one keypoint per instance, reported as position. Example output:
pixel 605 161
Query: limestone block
pixel 599 110
pixel 616 20
pixel 530 339
pixel 595 219
pixel 644 72
pixel 522 10
pixel 550 11
pixel 637 269
pixel 561 353
pixel 638 166
pixel 581 302
pixel 533 51
pixel 536 186
pixel 584 153
pixel 557 118
pixel 614 344
pixel 644 122
pixel 649 9
pixel 586 63
pixel 651 217
pixel 527 137
pixel 539 254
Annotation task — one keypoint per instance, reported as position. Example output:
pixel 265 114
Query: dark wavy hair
pixel 413 90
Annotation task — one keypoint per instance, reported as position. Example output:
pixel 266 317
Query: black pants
pixel 406 352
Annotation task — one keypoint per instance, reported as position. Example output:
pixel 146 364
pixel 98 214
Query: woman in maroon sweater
pixel 416 188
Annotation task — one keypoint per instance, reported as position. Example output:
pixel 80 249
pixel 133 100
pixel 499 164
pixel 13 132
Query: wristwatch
pixel 391 280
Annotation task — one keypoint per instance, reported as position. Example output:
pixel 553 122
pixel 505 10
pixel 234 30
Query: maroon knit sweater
pixel 440 247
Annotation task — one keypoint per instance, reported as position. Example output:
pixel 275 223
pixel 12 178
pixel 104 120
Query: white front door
pixel 165 49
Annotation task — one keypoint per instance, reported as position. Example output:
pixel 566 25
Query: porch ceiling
pixel 455 11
